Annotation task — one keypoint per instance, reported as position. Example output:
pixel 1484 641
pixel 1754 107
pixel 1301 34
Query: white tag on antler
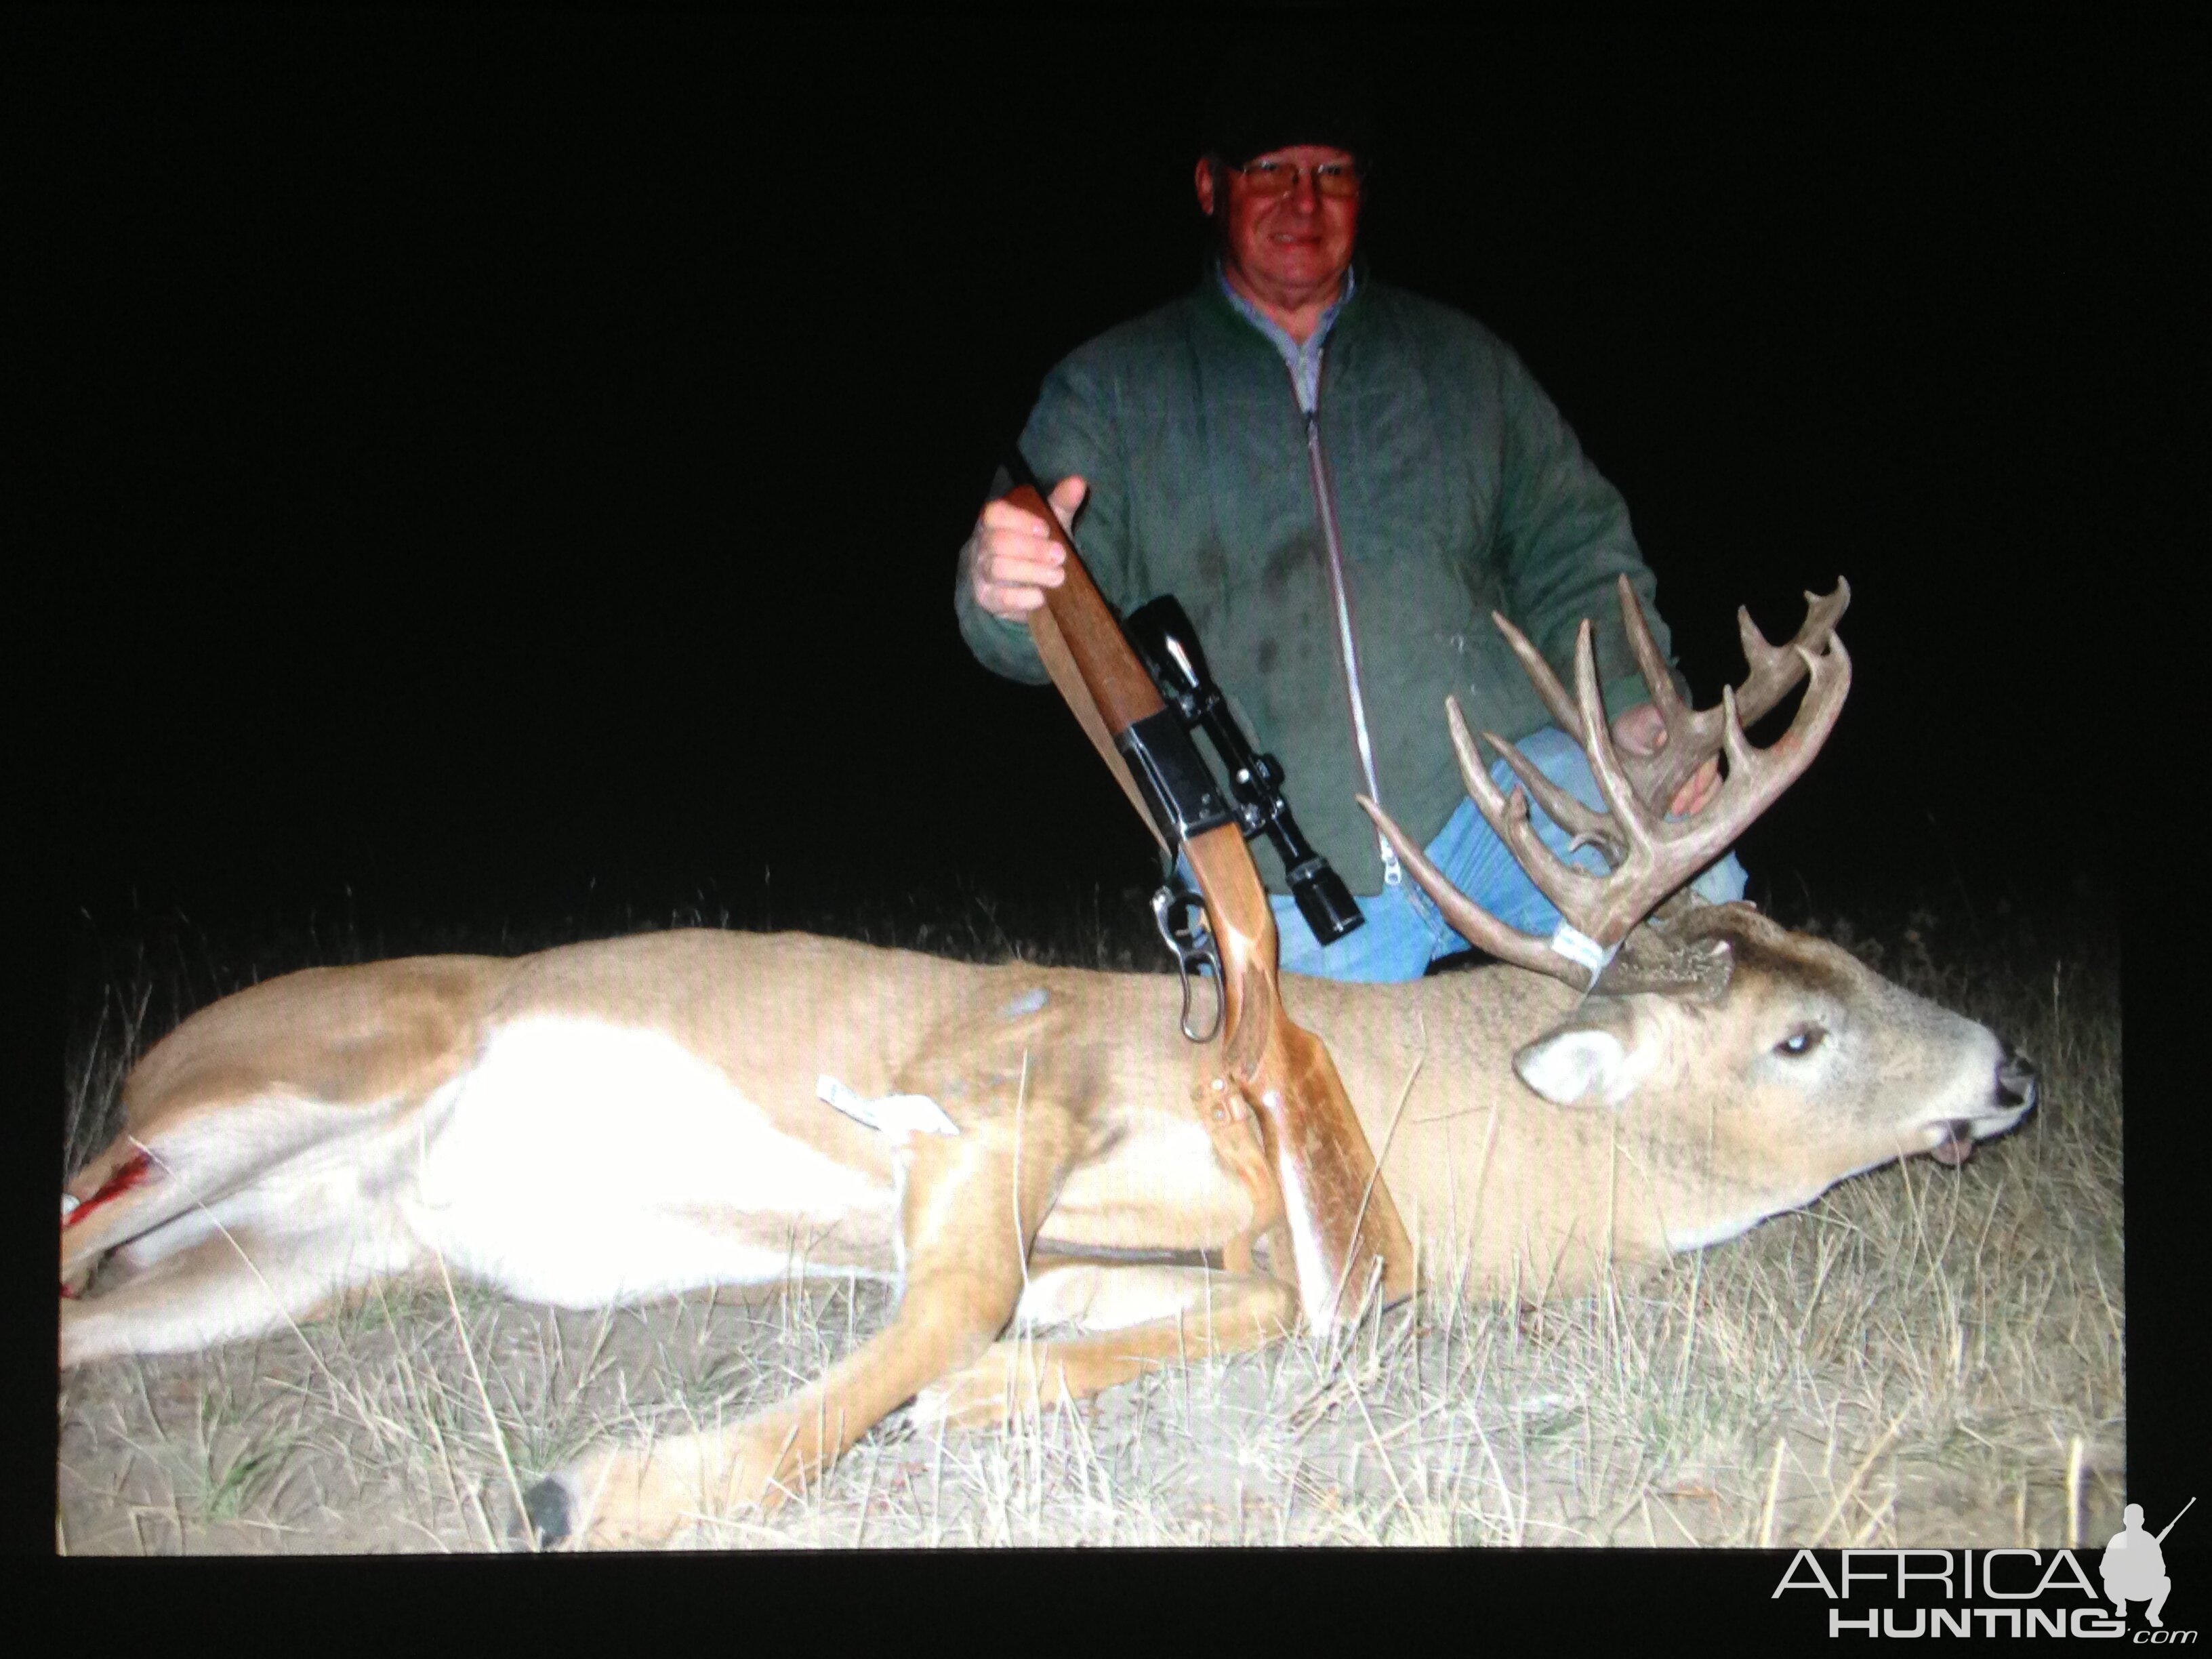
pixel 892 1114
pixel 1577 946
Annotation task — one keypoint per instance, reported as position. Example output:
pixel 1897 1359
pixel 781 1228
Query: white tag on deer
pixel 1571 942
pixel 892 1114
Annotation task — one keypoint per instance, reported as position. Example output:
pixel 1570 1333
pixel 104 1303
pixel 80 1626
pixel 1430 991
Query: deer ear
pixel 1597 1059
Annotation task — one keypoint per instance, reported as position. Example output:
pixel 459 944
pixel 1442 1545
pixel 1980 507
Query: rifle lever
pixel 1193 950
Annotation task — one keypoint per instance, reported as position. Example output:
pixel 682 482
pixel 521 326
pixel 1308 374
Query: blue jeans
pixel 1405 932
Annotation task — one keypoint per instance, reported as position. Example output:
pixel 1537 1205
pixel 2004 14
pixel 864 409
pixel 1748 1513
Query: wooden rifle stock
pixel 1338 1213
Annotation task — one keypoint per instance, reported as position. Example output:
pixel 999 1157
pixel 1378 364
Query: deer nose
pixel 2015 1079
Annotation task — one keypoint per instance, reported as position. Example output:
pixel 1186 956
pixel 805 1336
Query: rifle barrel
pixel 2176 1521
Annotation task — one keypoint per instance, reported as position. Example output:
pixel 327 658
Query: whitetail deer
pixel 640 1116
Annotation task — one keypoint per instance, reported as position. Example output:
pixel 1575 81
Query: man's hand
pixel 1011 558
pixel 1641 731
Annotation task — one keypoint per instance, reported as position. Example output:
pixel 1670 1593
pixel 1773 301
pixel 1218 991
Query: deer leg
pixel 155 1194
pixel 1128 1320
pixel 247 1276
pixel 970 1207
pixel 134 1192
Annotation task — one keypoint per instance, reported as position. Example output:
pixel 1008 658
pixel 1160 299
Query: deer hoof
pixel 612 1500
pixel 548 1515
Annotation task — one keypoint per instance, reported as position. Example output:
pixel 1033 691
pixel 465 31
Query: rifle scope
pixel 1168 645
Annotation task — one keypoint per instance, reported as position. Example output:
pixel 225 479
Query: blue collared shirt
pixel 1304 361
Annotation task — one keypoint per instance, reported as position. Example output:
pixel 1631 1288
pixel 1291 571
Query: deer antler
pixel 1693 736
pixel 1651 854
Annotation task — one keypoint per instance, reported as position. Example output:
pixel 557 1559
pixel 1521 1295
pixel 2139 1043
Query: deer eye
pixel 1801 1042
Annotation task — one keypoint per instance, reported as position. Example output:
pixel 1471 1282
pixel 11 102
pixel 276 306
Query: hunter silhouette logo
pixel 2134 1569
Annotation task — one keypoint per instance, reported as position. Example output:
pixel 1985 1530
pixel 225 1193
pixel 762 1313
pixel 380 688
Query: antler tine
pixel 1557 703
pixel 1686 729
pixel 1757 777
pixel 1507 816
pixel 1469 919
pixel 1692 735
pixel 1774 671
pixel 1485 794
pixel 1614 906
pixel 1578 820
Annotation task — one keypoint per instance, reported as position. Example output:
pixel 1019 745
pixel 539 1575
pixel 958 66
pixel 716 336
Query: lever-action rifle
pixel 1339 1215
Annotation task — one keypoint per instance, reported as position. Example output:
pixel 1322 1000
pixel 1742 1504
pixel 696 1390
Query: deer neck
pixel 1496 1179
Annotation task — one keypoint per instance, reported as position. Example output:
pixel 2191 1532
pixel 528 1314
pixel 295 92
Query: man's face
pixel 1282 246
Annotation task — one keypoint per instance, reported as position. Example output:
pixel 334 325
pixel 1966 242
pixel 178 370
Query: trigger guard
pixel 1192 952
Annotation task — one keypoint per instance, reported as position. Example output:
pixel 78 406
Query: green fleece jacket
pixel 1458 490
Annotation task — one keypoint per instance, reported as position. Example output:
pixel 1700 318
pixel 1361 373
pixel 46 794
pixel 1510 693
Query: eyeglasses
pixel 1335 179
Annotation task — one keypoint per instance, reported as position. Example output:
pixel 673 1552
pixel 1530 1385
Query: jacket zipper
pixel 1346 649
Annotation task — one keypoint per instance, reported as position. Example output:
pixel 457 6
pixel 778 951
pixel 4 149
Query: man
pixel 2134 1568
pixel 1339 481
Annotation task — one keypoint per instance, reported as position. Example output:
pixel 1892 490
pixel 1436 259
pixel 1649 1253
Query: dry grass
pixel 1925 1357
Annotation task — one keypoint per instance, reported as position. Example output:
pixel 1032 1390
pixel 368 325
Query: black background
pixel 511 457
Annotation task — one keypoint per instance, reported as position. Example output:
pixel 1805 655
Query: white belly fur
pixel 581 1162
